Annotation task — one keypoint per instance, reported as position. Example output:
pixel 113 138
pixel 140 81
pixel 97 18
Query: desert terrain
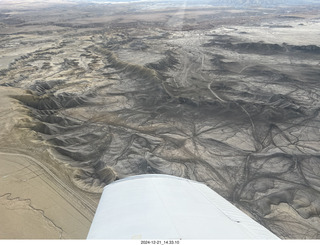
pixel 226 94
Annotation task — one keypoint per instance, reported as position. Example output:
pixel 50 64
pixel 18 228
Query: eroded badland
pixel 94 92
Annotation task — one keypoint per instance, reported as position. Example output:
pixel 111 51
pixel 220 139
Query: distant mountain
pixel 264 3
pixel 235 3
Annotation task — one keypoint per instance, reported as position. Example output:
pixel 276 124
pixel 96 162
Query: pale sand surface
pixel 33 204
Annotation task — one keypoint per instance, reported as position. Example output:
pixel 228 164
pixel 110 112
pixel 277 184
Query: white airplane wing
pixel 166 207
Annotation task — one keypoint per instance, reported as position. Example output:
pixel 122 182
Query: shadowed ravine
pixel 122 99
